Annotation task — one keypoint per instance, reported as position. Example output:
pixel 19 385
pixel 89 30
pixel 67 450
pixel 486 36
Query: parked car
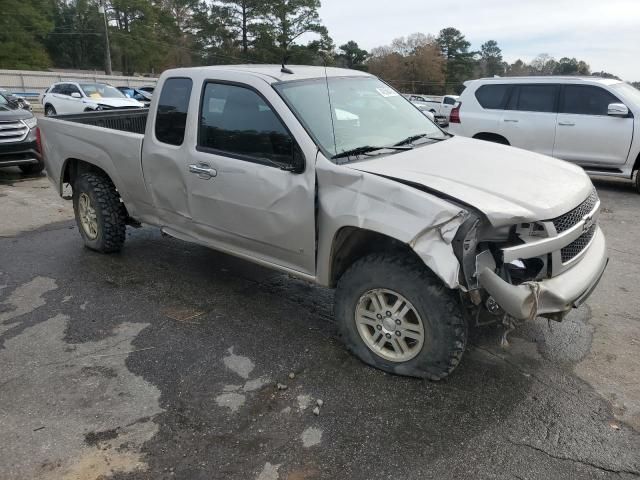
pixel 439 106
pixel 590 121
pixel 418 230
pixel 18 139
pixel 15 101
pixel 137 94
pixel 148 89
pixel 72 97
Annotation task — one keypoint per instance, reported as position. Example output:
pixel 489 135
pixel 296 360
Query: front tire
pixel 636 181
pixel 395 315
pixel 100 215
pixel 49 110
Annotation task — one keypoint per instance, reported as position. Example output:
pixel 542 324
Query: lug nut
pixel 398 322
pixel 388 335
pixel 388 313
pixel 379 316
pixel 379 327
pixel 398 333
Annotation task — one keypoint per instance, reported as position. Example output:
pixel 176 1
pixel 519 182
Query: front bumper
pixel 556 295
pixel 19 153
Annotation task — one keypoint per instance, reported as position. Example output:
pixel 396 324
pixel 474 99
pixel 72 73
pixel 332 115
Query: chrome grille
pixel 578 245
pixel 12 131
pixel 569 219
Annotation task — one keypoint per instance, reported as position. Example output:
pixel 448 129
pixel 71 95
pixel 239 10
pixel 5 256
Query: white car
pixel 72 97
pixel 589 121
pixel 438 106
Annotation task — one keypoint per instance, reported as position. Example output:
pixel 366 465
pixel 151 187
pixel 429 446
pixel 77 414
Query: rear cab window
pixel 171 117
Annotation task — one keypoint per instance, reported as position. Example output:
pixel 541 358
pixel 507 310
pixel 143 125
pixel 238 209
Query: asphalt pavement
pixel 170 360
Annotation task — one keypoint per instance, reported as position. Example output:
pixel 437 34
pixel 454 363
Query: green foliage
pixel 23 29
pixel 352 55
pixel 491 59
pixel 459 60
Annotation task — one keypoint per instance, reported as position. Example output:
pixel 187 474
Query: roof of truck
pixel 274 73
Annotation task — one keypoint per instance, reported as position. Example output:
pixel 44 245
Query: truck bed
pixel 134 120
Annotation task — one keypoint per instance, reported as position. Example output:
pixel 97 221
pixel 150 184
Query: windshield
pixel 3 101
pixel 100 90
pixel 366 112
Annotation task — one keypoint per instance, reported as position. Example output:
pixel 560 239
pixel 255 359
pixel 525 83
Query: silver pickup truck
pixel 332 176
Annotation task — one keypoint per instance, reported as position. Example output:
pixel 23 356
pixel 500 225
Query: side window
pixel 492 97
pixel 72 89
pixel 537 98
pixel 586 100
pixel 171 117
pixel 237 120
pixel 54 89
pixel 63 89
pixel 449 101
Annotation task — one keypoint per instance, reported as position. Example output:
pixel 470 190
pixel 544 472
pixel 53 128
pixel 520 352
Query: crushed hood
pixel 117 102
pixel 507 184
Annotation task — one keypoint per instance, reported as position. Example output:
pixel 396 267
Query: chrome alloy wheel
pixel 87 215
pixel 389 325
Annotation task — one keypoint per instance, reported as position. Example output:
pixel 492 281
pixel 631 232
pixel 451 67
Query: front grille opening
pixel 569 219
pixel 578 245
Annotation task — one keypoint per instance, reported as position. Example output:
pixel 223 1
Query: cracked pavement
pixel 163 361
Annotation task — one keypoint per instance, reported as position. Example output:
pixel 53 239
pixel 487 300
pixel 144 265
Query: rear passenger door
pixel 586 134
pixel 530 117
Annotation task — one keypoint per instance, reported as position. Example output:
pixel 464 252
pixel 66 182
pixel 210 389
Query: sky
pixel 604 33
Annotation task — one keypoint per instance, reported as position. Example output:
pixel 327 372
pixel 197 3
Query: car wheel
pixel 395 315
pixel 32 168
pixel 49 110
pixel 636 182
pixel 100 215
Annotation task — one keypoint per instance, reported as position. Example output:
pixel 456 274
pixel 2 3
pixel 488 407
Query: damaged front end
pixel 543 268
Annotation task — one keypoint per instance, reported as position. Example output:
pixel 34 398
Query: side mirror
pixel 617 110
pixel 76 95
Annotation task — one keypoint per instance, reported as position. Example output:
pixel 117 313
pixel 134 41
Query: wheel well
pixel 491 137
pixel 636 166
pixel 74 167
pixel 352 243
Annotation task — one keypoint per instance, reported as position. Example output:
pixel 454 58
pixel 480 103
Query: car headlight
pixel 30 122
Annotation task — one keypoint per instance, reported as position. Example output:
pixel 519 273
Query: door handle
pixel 566 124
pixel 510 120
pixel 203 170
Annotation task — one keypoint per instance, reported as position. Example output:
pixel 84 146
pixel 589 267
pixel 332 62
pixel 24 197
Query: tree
pixel 543 64
pixel 244 14
pixel 353 55
pixel 459 61
pixel 23 29
pixel 73 43
pixel 414 64
pixel 287 20
pixel 491 59
pixel 571 66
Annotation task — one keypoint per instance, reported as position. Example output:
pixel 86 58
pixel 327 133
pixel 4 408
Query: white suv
pixel 73 97
pixel 586 120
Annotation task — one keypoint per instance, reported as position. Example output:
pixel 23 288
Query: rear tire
pixel 49 110
pixel 431 309
pixel 636 181
pixel 32 168
pixel 100 215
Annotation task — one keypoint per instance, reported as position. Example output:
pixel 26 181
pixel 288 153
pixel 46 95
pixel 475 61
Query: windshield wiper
pixel 413 138
pixel 366 149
